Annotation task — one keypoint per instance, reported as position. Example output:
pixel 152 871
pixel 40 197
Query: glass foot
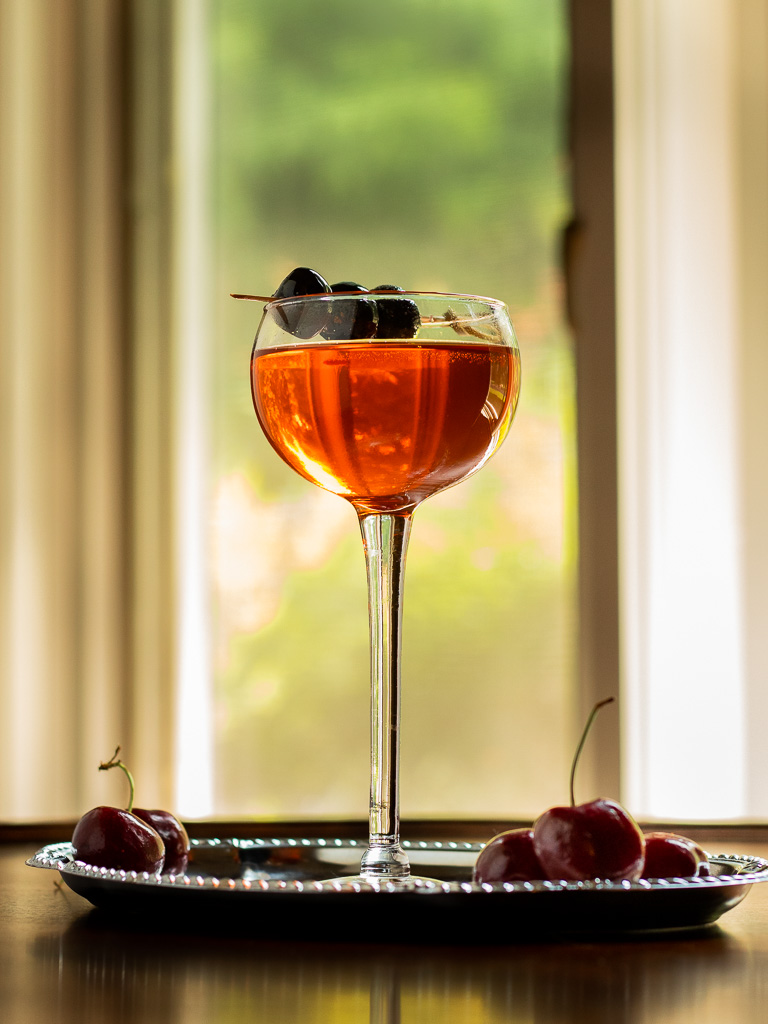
pixel 384 863
pixel 386 866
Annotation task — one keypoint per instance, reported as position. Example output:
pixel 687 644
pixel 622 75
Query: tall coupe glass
pixel 385 421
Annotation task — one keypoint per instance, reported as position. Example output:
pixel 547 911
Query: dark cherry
pixel 108 837
pixel 351 319
pixel 668 855
pixel 347 286
pixel 599 839
pixel 134 839
pixel 509 857
pixel 173 835
pixel 397 319
pixel 301 281
pixel 302 321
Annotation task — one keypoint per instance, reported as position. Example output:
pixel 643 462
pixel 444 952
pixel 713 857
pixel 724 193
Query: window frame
pixel 589 264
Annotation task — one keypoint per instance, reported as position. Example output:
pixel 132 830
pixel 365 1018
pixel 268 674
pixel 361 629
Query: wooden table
pixel 62 961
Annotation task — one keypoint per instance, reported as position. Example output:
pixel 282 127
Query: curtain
pixel 86 405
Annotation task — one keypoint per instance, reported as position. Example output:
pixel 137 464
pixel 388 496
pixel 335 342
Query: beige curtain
pixel 86 404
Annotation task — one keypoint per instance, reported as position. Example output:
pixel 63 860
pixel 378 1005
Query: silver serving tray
pixel 300 888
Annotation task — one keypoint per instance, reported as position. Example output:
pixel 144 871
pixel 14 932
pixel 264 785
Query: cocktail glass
pixel 385 399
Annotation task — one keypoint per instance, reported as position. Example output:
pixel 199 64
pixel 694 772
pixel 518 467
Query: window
pixel 425 148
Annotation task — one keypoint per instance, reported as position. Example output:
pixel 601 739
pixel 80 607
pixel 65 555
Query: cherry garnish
pixel 351 319
pixel 346 321
pixel 398 319
pixel 303 320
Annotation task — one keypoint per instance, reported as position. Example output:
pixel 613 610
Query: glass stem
pixel 385 541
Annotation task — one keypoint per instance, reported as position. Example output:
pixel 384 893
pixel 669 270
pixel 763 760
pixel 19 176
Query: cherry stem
pixel 115 762
pixel 587 727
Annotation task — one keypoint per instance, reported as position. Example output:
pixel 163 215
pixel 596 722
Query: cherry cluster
pixel 348 319
pixel 595 840
pixel 134 839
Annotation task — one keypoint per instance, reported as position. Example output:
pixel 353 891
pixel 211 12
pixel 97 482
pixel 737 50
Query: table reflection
pixel 95 970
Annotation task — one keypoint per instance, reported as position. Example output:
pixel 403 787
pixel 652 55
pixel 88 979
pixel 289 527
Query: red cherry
pixel 173 834
pixel 668 855
pixel 108 837
pixel 134 840
pixel 599 839
pixel 509 857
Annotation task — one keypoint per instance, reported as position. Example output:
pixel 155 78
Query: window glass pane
pixel 417 144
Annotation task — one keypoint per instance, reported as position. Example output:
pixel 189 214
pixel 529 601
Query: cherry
pixel 134 839
pixel 399 318
pixel 173 835
pixel 347 286
pixel 668 855
pixel 599 839
pixel 108 837
pixel 167 826
pixel 351 319
pixel 302 281
pixel 509 857
pixel 301 319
